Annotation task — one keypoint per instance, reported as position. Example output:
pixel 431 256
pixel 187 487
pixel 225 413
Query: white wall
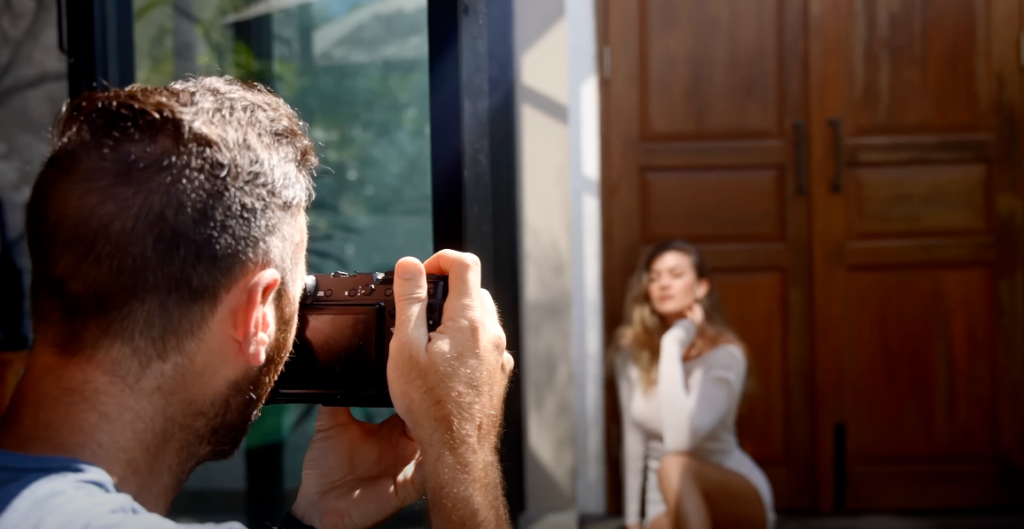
pixel 585 220
pixel 546 250
pixel 562 337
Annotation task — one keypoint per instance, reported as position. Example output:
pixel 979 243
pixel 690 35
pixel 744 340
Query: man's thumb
pixel 410 302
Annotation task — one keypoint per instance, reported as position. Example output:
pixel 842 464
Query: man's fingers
pixel 397 424
pixel 410 302
pixel 489 308
pixel 463 271
pixel 508 364
pixel 331 416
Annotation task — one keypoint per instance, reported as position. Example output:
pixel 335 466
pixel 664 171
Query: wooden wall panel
pixel 703 109
pixel 918 65
pixel 711 68
pixel 890 201
pixel 916 200
pixel 750 301
pixel 713 205
pixel 920 380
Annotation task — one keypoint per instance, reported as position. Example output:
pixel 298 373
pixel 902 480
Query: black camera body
pixel 346 322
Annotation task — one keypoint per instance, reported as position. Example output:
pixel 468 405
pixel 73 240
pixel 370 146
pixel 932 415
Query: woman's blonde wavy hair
pixel 642 327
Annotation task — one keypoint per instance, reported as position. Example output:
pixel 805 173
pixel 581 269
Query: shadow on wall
pixel 546 324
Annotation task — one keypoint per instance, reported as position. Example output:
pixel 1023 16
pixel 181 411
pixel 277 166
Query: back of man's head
pixel 153 202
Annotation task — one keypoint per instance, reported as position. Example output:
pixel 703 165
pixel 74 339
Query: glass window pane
pixel 357 72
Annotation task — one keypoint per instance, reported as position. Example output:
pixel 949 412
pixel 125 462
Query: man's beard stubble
pixel 228 421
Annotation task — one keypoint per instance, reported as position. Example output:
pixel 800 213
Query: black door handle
pixel 837 146
pixel 800 139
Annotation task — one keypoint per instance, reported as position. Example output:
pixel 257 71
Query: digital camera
pixel 346 322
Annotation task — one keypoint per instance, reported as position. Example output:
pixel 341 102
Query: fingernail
pixel 406 272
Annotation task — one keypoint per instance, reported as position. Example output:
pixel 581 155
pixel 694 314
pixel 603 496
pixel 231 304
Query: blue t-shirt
pixel 45 492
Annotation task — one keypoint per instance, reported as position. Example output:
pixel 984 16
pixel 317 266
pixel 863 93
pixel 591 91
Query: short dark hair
pixel 154 201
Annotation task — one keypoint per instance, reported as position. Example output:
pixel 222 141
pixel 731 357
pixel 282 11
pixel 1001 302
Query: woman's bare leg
pixel 698 492
pixel 660 522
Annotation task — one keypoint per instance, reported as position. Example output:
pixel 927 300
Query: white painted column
pixel 542 96
pixel 585 220
pixel 558 112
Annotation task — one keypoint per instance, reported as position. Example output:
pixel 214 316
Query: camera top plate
pixel 363 288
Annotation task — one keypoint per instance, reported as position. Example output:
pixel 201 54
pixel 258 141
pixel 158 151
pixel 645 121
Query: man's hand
pixel 449 386
pixel 355 474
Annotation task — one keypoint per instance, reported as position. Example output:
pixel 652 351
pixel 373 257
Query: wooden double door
pixel 851 170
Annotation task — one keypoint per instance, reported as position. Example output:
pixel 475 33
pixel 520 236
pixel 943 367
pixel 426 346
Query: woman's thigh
pixel 731 499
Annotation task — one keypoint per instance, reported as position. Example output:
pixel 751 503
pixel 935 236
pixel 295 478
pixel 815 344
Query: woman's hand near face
pixel 695 313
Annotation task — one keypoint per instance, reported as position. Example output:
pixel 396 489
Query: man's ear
pixel 257 319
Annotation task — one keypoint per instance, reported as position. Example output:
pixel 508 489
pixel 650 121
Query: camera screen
pixel 334 337
pixel 335 350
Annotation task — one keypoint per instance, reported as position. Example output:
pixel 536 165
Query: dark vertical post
pixel 100 44
pixel 13 336
pixel 119 46
pixel 81 29
pixel 474 178
pixel 504 191
pixel 446 124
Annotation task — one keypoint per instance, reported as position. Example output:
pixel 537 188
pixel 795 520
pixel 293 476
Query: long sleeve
pixel 688 414
pixel 632 444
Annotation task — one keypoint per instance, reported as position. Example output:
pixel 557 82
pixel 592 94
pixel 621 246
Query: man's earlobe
pixel 260 314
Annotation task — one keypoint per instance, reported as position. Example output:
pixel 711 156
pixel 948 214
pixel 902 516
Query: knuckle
pixel 468 262
pixel 409 295
pixel 499 340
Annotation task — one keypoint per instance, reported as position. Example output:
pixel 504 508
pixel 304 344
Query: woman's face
pixel 673 285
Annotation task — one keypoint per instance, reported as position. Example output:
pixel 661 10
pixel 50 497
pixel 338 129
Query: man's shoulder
pixel 20 471
pixel 41 493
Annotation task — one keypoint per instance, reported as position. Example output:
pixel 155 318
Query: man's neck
pixel 132 429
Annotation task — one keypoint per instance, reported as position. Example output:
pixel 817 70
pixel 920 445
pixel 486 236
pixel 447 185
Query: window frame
pixel 474 185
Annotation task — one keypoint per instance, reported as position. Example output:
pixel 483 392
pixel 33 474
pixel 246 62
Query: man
pixel 167 232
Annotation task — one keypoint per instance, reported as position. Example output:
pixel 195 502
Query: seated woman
pixel 680 373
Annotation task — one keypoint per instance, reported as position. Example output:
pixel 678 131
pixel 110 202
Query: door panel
pixel 914 200
pixel 714 204
pixel 915 181
pixel 710 68
pixel 700 145
pixel 911 225
pixel 920 371
pixel 764 405
pixel 918 65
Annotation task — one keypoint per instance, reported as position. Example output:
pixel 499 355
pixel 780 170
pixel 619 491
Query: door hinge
pixel 606 61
